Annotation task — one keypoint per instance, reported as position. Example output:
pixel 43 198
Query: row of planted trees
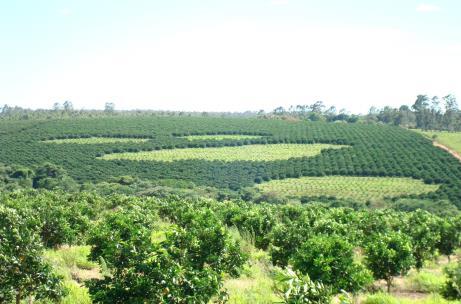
pixel 180 251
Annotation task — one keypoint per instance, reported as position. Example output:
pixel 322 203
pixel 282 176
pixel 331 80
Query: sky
pixel 232 55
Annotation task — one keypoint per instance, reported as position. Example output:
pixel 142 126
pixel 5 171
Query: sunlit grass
pixel 268 152
pixel 347 187
pixel 450 139
pixel 96 140
pixel 221 137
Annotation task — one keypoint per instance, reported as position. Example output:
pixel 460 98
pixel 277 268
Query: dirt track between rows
pixel 452 152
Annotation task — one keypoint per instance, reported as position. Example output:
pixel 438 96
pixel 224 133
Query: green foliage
pixel 452 288
pixel 330 260
pixel 449 236
pixel 426 281
pixel 389 255
pixel 297 289
pixel 185 266
pixel 181 249
pixel 58 221
pixel 374 151
pixel 52 177
pixel 23 272
pixel 423 228
pixel 360 189
pixel 441 208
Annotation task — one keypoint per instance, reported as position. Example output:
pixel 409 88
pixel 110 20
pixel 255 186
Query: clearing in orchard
pixel 95 140
pixel 268 152
pixel 348 187
pixel 221 137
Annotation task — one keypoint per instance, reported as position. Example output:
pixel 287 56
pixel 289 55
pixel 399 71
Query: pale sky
pixel 230 55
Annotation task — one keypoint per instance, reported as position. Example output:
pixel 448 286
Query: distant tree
pixel 317 107
pixel 23 272
pixel 422 112
pixel 50 176
pixel 57 106
pixel 406 118
pixel 67 105
pixel 279 111
pixel 389 255
pixel 452 114
pixel 109 107
pixel 6 109
pixel 330 113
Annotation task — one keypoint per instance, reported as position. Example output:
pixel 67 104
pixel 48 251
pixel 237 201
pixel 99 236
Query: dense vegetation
pixel 69 235
pixel 374 150
pixel 425 113
pixel 176 250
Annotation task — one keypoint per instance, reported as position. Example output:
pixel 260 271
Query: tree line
pixel 425 113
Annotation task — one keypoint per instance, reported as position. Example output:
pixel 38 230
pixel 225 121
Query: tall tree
pixel 109 107
pixel 68 106
pixel 421 110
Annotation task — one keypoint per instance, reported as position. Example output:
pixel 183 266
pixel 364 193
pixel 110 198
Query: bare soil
pixel 452 152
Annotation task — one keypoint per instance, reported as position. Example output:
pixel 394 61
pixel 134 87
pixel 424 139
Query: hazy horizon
pixel 228 56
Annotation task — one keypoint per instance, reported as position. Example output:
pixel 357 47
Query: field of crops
pixel 451 140
pixel 95 140
pixel 373 151
pixel 361 189
pixel 268 152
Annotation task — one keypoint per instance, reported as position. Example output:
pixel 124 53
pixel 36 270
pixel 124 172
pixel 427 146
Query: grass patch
pixel 239 153
pixel 73 265
pixel 384 298
pixel 72 262
pixel 426 281
pixel 221 137
pixel 450 139
pixel 347 187
pixel 96 140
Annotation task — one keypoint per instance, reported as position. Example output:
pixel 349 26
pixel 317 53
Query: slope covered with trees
pixel 373 150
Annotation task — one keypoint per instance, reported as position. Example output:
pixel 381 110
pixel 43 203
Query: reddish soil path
pixel 452 152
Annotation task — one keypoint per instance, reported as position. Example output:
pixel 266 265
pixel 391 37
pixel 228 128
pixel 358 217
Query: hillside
pixel 235 154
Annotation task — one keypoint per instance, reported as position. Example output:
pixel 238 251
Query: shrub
pixel 452 288
pixel 23 272
pixel 185 265
pixel 330 260
pixel 389 255
pixel 296 289
pixel 425 281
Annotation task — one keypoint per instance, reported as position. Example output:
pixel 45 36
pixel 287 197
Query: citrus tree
pixel 330 260
pixel 149 263
pixel 389 255
pixel 23 272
